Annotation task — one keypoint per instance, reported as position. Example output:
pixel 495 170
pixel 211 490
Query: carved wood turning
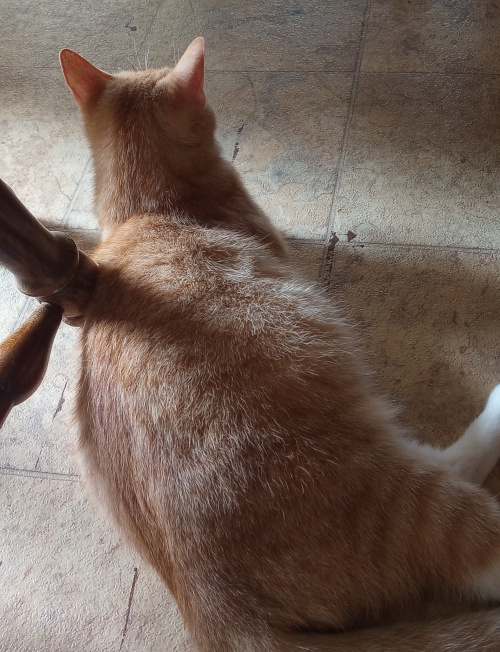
pixel 49 266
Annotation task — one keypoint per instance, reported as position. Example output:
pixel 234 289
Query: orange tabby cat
pixel 227 423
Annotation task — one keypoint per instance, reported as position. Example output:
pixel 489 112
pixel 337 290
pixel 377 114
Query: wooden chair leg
pixel 24 357
pixel 49 266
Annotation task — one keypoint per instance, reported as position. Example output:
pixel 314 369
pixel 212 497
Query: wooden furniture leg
pixel 24 357
pixel 49 266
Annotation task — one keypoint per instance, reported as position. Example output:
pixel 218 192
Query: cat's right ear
pixel 189 73
pixel 85 81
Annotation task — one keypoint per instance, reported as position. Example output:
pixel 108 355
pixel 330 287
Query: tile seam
pixel 410 245
pixel 330 241
pixel 40 475
pixel 309 71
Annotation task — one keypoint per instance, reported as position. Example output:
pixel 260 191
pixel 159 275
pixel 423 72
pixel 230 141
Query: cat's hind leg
pixel 473 456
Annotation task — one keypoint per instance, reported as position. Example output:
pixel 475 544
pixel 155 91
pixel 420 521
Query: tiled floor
pixel 369 130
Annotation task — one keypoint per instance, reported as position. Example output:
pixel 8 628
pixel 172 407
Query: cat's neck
pixel 201 189
pixel 127 185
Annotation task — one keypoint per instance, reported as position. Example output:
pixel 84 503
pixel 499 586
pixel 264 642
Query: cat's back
pixel 217 391
pixel 158 274
pixel 213 320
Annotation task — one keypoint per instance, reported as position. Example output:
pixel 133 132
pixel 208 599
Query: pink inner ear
pixel 85 81
pixel 190 72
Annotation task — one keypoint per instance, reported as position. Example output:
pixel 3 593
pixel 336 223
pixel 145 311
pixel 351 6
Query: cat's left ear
pixel 189 73
pixel 85 81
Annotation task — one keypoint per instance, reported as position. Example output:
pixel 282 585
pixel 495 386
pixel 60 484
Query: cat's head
pixel 148 130
pixel 174 97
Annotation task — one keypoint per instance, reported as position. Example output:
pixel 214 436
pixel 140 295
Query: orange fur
pixel 227 422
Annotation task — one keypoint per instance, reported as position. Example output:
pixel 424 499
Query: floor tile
pixel 57 555
pixel 42 147
pixel 262 35
pixel 423 161
pixel 430 322
pixel 286 144
pixel 106 32
pixel 433 36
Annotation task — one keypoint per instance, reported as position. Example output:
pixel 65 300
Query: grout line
pixel 327 264
pixel 300 71
pixel 75 194
pixel 314 71
pixel 270 71
pixel 423 247
pixel 346 71
pixel 41 475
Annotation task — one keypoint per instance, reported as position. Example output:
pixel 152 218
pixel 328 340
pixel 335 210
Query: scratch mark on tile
pixel 75 193
pixel 130 598
pixel 61 190
pixel 237 144
pixel 38 459
pixel 61 402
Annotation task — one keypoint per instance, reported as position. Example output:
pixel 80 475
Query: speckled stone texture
pixel 369 131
